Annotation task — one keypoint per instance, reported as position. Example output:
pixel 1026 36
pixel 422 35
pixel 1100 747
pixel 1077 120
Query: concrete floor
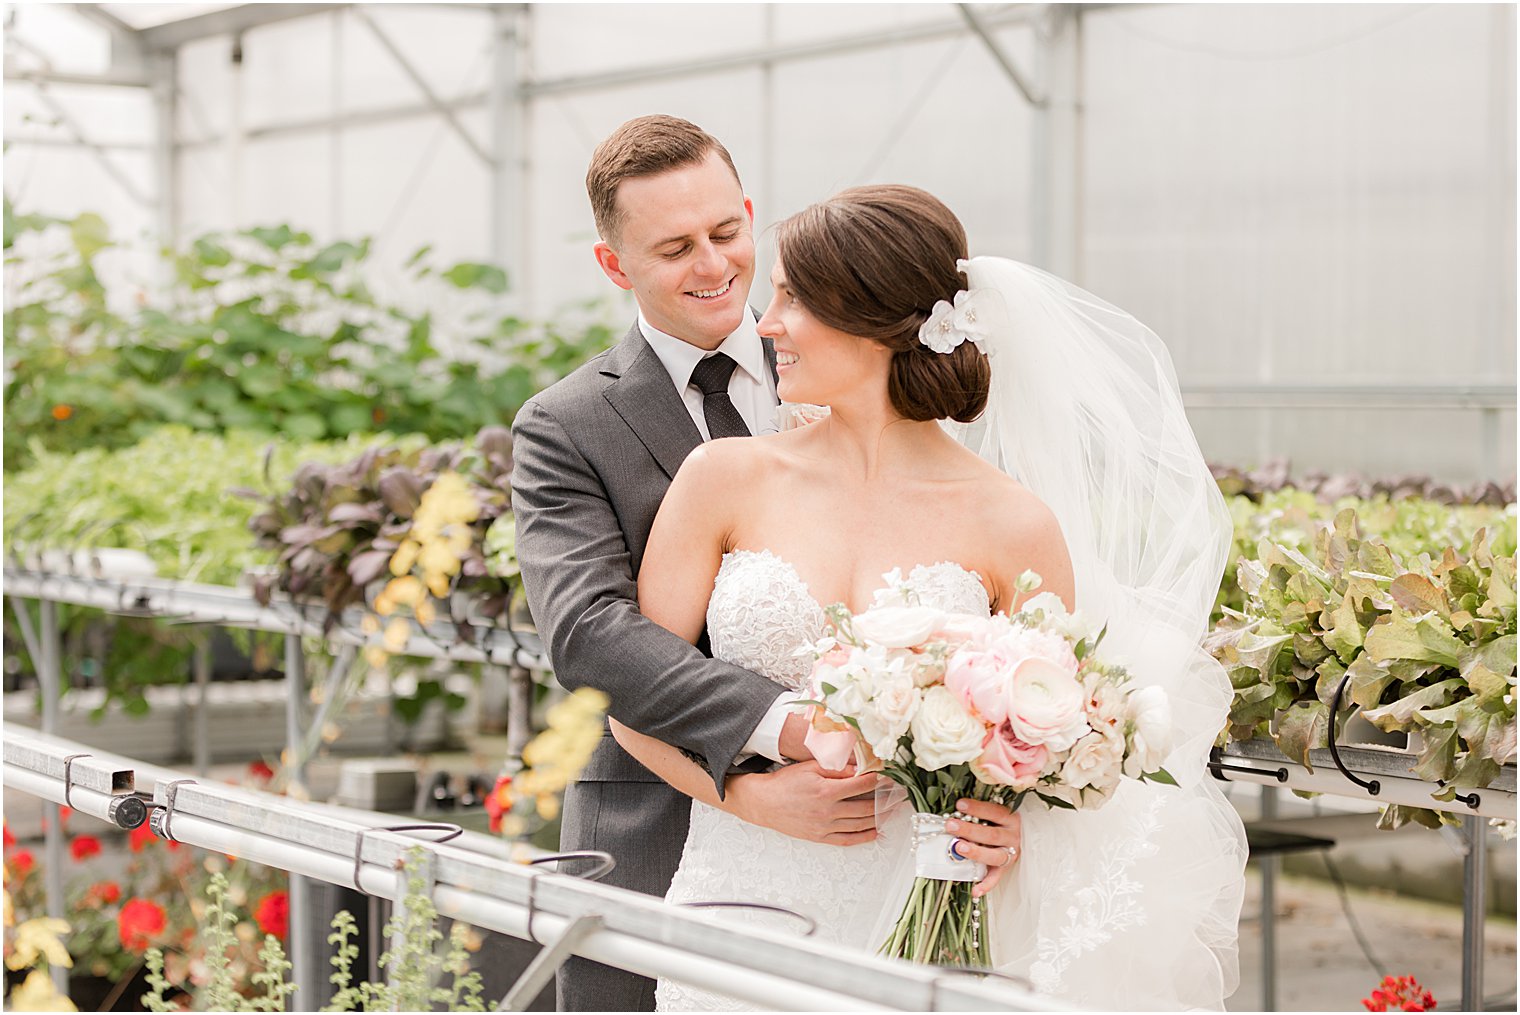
pixel 1321 967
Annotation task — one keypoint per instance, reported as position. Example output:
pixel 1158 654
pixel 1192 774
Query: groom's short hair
pixel 644 146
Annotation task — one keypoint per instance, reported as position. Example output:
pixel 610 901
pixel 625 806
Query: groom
pixel 594 455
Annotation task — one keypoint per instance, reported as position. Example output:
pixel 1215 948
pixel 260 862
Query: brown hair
pixel 873 261
pixel 644 146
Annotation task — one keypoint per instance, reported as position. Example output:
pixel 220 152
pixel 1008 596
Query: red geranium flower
pixel 1399 993
pixel 10 840
pixel 272 914
pixel 261 771
pixel 23 861
pixel 139 921
pixel 499 801
pixel 106 892
pixel 84 846
pixel 63 814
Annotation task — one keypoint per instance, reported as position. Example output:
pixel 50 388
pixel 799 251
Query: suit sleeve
pixel 578 575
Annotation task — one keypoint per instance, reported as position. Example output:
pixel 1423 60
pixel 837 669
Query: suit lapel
pixel 642 393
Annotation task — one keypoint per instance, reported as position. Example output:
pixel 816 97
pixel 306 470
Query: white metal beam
pixel 231 21
pixel 1020 81
pixel 434 102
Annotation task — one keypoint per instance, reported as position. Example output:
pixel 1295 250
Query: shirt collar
pixel 680 358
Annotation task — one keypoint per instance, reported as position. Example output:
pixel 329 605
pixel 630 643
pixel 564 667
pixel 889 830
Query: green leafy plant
pixel 267 330
pixel 1426 643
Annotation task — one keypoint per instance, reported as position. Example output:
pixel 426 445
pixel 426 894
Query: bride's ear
pixel 608 260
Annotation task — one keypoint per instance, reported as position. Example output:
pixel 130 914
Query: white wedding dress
pixel 760 614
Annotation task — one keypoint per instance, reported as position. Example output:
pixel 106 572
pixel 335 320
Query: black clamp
pixel 454 832
pixel 1373 787
pixel 606 864
pixel 68 778
pixel 160 820
pixel 810 923
pixel 1217 767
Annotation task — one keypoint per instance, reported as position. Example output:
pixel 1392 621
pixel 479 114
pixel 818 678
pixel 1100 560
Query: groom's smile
pixel 685 247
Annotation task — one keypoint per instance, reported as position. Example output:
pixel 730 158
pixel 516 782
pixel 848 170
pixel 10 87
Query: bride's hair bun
pixel 873 261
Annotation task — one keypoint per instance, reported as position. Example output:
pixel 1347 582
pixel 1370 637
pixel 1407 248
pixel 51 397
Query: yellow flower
pixel 425 612
pixel 376 656
pixel 406 590
pixel 397 632
pixel 404 557
pixel 438 584
pixel 385 605
pixel 370 624
pixel 37 993
pixel 437 556
pixel 460 539
pixel 38 939
pixel 548 806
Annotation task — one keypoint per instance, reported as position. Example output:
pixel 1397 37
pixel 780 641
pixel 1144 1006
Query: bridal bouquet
pixel 999 708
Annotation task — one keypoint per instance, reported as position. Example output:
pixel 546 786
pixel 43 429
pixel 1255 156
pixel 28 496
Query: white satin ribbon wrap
pixel 931 852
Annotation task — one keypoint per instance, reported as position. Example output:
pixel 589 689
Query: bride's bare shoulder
pixel 718 467
pixel 1023 534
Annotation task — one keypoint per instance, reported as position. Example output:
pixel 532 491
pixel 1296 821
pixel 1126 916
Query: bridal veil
pixel 1134 905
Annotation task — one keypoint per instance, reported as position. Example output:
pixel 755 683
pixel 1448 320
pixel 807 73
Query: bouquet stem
pixel 940 925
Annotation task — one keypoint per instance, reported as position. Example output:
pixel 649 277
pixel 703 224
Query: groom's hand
pixel 806 802
pixel 793 742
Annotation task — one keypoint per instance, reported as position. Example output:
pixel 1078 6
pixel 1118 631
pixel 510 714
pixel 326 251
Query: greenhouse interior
pixel 344 384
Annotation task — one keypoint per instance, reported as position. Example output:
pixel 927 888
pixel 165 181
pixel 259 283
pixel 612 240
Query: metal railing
pixel 566 914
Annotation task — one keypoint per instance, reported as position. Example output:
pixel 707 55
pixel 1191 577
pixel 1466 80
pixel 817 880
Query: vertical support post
pixel 509 149
pixel 768 188
pixel 234 145
pixel 1474 909
pixel 49 675
pixel 307 944
pixel 1270 865
pixel 201 748
pixel 335 139
pixel 1056 181
pixel 1498 315
pixel 164 71
pixel 519 713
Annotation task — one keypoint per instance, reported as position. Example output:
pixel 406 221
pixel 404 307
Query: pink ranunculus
pixel 962 630
pixel 979 680
pixel 1008 761
pixel 1046 704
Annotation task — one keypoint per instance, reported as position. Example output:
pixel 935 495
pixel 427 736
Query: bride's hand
pixel 996 841
pixel 807 802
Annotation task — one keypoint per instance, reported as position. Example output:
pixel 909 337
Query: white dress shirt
pixel 753 391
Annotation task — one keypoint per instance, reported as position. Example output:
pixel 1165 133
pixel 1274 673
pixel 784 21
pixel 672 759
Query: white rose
pixel 895 706
pixel 1150 713
pixel 944 733
pixel 1047 602
pixel 849 696
pixel 897 626
pixel 1046 704
pixel 1107 705
pixel 1094 761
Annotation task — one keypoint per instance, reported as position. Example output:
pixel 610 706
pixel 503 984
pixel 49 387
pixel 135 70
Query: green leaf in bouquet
pixel 1303 726
pixel 1399 715
pixel 1160 775
pixel 1416 594
pixel 1438 757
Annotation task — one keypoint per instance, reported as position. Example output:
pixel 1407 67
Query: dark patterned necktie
pixel 711 378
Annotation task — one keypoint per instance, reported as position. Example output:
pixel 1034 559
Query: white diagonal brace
pixel 1003 59
pixel 69 124
pixel 433 100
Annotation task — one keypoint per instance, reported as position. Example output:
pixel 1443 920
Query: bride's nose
pixel 769 325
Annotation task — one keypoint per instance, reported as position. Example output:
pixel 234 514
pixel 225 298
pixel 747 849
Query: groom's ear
pixel 608 259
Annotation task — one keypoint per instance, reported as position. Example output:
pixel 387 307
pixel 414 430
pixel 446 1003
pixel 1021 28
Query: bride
pixel 1070 457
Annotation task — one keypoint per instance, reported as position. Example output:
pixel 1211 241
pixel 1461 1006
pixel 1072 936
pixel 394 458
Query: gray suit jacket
pixel 593 456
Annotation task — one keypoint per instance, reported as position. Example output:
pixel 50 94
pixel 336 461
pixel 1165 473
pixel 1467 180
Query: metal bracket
pixel 1217 768
pixel 548 960
pixel 159 820
pixel 68 778
pixel 454 832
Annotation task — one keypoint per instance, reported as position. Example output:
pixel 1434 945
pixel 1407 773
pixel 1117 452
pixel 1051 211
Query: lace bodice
pixel 761 611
